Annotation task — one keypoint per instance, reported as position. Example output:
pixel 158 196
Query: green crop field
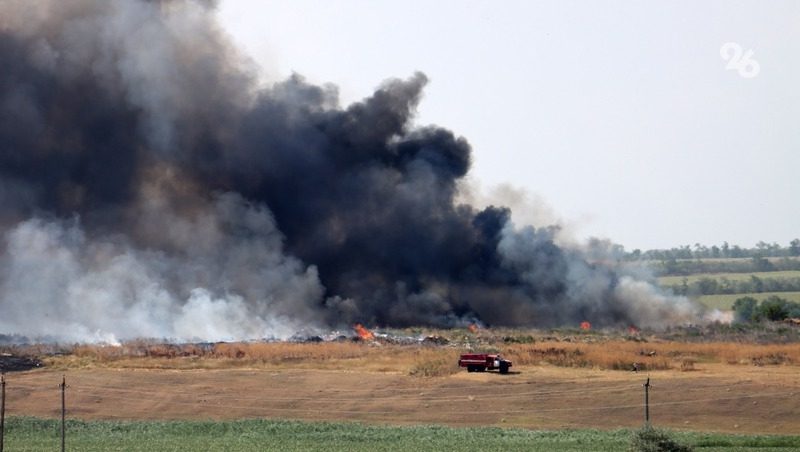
pixel 725 301
pixel 678 280
pixel 28 434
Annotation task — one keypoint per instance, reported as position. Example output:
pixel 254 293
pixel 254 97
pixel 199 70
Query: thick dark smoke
pixel 150 187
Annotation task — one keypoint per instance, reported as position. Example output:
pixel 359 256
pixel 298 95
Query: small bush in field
pixel 649 439
pixel 524 339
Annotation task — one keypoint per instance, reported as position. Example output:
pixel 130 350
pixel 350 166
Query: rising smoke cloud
pixel 151 188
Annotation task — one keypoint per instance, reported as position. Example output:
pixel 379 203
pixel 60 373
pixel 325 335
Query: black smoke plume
pixel 151 187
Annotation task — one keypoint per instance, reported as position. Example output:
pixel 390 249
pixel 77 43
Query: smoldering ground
pixel 151 187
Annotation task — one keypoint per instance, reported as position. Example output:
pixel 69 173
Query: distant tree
pixel 744 308
pixel 707 286
pixel 762 264
pixel 700 250
pixel 715 251
pixel 773 308
pixel 726 249
pixel 671 266
pixel 757 284
pixel 794 247
pixel 726 285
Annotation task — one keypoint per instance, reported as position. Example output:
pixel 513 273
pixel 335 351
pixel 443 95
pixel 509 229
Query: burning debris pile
pixel 363 333
pixel 150 187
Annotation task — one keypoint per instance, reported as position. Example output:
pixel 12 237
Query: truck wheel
pixel 503 368
pixel 481 368
pixel 470 369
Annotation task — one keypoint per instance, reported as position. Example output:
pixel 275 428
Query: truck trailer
pixel 480 362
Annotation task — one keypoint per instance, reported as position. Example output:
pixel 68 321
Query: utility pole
pixel 647 402
pixel 63 386
pixel 2 409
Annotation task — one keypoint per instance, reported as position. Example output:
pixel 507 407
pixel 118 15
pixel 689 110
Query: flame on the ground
pixel 633 330
pixel 586 325
pixel 363 332
pixel 473 328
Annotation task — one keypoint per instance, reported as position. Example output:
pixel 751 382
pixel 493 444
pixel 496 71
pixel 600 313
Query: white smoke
pixel 651 308
pixel 232 283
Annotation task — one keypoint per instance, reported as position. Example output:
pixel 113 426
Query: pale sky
pixel 621 115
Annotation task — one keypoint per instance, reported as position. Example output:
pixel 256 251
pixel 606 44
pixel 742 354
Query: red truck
pixel 479 362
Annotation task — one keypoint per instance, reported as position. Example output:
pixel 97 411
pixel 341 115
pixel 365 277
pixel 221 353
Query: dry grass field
pixel 567 382
pixel 578 351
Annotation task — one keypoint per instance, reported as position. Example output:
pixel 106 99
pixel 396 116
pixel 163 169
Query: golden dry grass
pixel 620 355
pixel 425 360
pixel 723 384
pixel 141 354
pixel 433 362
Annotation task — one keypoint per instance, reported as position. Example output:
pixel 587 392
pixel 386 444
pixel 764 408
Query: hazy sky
pixel 621 115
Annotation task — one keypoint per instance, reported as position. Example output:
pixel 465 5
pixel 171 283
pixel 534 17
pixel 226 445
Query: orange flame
pixel 473 328
pixel 586 325
pixel 633 330
pixel 363 333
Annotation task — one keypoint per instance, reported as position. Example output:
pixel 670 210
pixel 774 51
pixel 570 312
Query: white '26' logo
pixel 737 59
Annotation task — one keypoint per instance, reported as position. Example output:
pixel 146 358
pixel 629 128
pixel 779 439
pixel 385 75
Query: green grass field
pixel 678 280
pixel 28 434
pixel 725 301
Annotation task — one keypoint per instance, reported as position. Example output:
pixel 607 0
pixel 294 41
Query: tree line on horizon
pixel 724 258
pixel 726 286
pixel 723 251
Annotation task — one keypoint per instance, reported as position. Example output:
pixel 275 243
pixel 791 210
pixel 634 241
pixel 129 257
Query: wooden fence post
pixel 647 402
pixel 63 386
pixel 2 409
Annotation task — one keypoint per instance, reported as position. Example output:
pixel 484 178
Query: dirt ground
pixel 716 397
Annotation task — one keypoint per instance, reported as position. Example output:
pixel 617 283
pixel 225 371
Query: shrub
pixel 526 339
pixel 775 308
pixel 649 439
pixel 744 308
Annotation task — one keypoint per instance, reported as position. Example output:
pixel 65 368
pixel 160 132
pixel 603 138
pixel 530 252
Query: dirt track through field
pixel 740 399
